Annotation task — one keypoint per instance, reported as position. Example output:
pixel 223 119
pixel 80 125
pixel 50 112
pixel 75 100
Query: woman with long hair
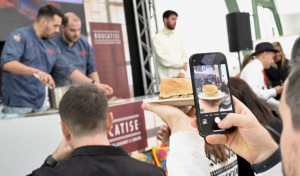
pixel 279 70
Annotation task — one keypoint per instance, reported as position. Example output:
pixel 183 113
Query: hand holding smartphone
pixel 212 92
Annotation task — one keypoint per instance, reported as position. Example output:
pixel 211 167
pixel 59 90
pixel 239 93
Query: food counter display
pixel 26 142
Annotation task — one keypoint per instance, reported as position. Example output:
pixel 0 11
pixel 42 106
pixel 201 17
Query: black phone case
pixel 195 61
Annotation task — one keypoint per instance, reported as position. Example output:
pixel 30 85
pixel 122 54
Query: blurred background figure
pixel 255 76
pixel 279 70
pixel 247 59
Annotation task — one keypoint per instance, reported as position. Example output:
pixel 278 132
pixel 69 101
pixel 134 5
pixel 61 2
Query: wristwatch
pixel 51 161
pixel 93 82
pixel 265 165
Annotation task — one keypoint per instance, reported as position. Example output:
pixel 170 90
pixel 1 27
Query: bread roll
pixel 210 90
pixel 172 88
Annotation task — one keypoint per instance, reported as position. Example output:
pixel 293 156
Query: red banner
pixel 128 130
pixel 107 41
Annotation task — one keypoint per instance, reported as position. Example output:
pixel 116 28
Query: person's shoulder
pixel 56 39
pixel 151 169
pixel 52 42
pixel 159 34
pixel 20 35
pixel 146 167
pixel 83 41
pixel 249 70
pixel 24 31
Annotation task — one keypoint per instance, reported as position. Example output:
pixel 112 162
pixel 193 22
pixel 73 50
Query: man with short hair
pixel 169 50
pixel 76 50
pixel 28 53
pixel 255 76
pixel 85 150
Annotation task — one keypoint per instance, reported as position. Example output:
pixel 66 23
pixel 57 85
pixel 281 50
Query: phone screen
pixel 212 94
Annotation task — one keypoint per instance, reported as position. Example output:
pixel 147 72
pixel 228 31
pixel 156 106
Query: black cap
pixel 264 46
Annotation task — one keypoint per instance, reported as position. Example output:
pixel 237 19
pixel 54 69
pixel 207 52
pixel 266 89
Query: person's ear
pixel 66 131
pixel 265 53
pixel 43 21
pixel 165 20
pixel 109 122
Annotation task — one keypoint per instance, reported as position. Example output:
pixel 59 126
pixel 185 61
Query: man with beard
pixel 28 54
pixel 169 49
pixel 76 50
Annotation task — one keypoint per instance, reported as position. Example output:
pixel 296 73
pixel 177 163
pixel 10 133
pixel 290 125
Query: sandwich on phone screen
pixel 211 90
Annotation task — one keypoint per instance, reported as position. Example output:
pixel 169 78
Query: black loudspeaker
pixel 239 31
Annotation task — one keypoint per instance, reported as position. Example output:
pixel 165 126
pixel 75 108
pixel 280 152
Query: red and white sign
pixel 128 130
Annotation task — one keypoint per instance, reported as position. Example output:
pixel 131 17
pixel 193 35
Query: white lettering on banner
pixel 125 130
pixel 124 137
pixel 106 37
pixel 124 125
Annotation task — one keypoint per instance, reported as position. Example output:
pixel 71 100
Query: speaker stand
pixel 239 58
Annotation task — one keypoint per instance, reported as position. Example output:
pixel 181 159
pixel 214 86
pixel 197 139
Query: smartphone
pixel 212 92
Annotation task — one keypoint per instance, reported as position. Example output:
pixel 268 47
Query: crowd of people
pixel 34 58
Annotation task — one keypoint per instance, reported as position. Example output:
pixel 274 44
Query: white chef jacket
pixel 170 54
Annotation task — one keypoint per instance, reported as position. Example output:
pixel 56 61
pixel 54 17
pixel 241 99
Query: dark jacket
pixel 277 76
pixel 100 160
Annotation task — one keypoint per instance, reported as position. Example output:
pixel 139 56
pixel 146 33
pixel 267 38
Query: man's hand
pixel 176 119
pixel 63 152
pixel 45 78
pixel 250 140
pixel 278 90
pixel 105 88
pixel 181 75
pixel 185 65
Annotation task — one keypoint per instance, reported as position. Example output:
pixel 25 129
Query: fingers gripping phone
pixel 212 92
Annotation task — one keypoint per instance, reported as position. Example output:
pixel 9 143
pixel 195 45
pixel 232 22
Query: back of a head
pixel 84 109
pixel 296 52
pixel 168 13
pixel 48 12
pixel 242 91
pixel 292 97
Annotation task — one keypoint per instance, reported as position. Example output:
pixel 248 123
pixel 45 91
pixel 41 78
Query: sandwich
pixel 210 90
pixel 175 88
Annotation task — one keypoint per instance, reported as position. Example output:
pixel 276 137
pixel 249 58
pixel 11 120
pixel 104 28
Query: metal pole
pixel 239 58
pixel 140 45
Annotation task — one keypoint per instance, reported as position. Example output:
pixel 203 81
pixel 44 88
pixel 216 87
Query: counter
pixel 26 142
